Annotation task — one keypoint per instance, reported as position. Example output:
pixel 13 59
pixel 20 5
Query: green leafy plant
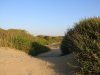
pixel 84 40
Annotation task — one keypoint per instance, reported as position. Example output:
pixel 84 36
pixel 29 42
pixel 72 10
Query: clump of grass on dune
pixel 21 40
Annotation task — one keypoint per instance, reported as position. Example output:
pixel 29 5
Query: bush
pixel 38 49
pixel 68 45
pixel 84 40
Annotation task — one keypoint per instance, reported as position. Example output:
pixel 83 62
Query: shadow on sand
pixel 62 65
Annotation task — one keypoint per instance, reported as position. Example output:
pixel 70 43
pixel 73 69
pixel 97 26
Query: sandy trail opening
pixel 14 62
pixel 62 65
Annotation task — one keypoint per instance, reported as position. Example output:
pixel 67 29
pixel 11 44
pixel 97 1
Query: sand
pixel 15 62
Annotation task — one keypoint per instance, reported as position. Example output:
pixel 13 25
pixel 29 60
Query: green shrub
pixel 38 49
pixel 68 45
pixel 84 40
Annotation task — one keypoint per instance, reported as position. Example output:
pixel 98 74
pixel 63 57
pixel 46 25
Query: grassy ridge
pixel 22 40
pixel 47 40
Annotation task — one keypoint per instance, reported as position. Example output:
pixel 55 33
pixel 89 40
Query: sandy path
pixel 14 62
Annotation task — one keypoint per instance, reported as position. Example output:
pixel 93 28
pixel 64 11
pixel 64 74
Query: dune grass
pixel 24 41
pixel 21 40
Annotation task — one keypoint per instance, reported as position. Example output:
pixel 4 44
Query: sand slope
pixel 14 62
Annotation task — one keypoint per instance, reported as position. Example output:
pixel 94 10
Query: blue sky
pixel 46 17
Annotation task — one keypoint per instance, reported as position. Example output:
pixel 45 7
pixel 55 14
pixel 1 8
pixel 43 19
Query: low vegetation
pixel 47 40
pixel 84 40
pixel 22 40
pixel 38 49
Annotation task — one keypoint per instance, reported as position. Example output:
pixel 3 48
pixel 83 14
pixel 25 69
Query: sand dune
pixel 14 62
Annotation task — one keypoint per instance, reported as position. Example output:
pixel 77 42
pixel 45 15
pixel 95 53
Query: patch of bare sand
pixel 63 65
pixel 14 62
